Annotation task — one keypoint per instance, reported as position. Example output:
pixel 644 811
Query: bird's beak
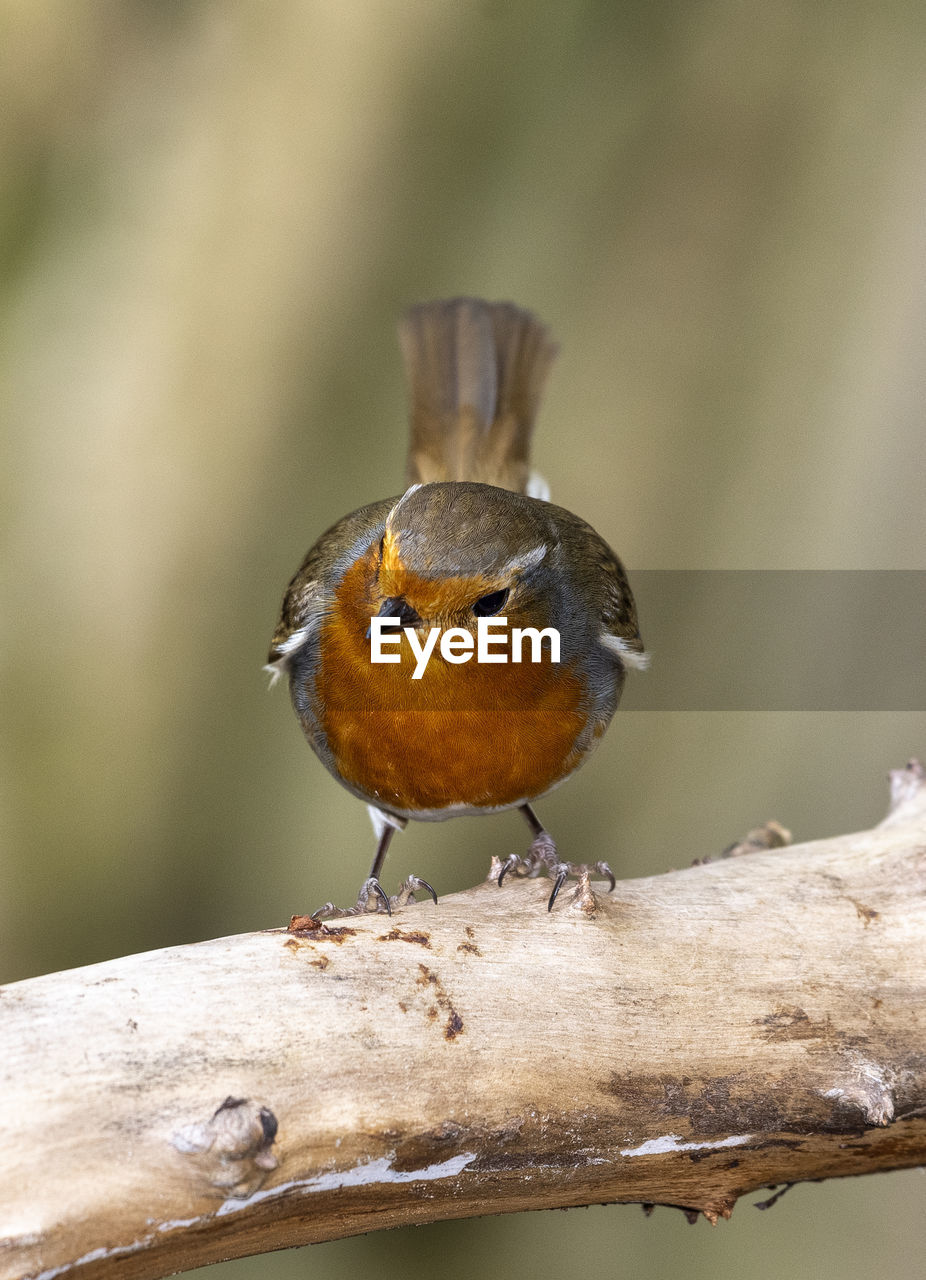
pixel 397 607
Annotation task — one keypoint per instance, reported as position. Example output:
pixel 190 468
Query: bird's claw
pixel 373 898
pixel 407 890
pixel 513 863
pixel 542 855
pixel 604 870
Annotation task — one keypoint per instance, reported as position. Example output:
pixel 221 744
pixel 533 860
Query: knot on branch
pixel 908 794
pixel 231 1151
pixel 867 1089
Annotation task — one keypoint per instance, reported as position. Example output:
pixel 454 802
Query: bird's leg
pixel 542 854
pixel 372 896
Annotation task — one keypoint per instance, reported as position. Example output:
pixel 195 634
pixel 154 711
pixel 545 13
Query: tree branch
pixel 683 1040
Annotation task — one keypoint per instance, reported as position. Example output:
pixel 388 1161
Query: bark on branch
pixel 684 1040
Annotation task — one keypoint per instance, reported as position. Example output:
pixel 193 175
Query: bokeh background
pixel 211 214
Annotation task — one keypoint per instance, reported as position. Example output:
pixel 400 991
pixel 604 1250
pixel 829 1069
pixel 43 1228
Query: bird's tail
pixel 476 372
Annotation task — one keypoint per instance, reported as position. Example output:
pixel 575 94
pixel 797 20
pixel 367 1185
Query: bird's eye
pixel 485 606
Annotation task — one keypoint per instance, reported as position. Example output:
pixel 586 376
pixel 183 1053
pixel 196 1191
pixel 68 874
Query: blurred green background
pixel 211 215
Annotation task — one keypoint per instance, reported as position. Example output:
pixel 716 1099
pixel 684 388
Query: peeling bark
pixel 690 1037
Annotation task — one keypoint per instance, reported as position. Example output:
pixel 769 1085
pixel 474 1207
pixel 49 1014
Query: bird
pixel 472 545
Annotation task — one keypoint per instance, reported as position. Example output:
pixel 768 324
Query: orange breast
pixel 474 734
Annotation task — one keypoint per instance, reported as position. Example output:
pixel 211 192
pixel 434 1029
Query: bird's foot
pixel 407 890
pixel 373 898
pixel 543 856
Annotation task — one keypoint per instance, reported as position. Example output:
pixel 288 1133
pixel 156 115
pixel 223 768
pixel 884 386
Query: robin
pixel 472 549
